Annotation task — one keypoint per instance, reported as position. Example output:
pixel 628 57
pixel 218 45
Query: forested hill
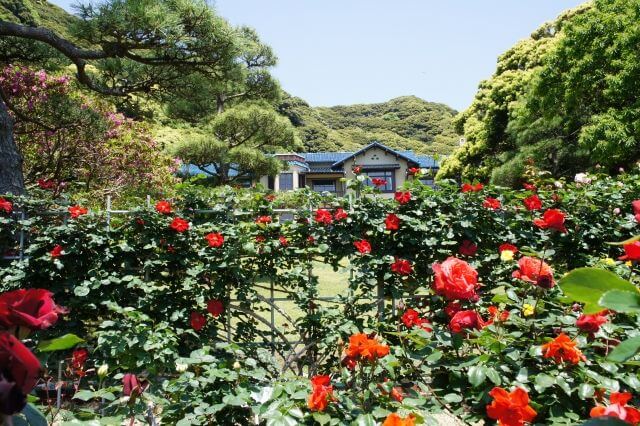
pixel 567 99
pixel 36 13
pixel 406 122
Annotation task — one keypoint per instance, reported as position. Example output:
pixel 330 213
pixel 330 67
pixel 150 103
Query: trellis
pixel 277 338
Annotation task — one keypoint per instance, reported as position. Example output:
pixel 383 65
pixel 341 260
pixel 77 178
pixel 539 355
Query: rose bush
pixel 420 327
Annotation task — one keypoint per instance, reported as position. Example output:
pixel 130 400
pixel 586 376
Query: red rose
pixel 263 220
pixel 455 279
pixel 357 170
pixel 349 362
pixel 510 409
pixel 260 239
pixel 468 248
pixel 179 225
pixel 340 214
pixel 215 307
pixel 413 170
pixel 363 246
pixel 215 239
pixel 283 241
pixel 411 319
pixel 310 239
pixel 321 393
pixel 163 207
pixel 591 323
pixel 631 251
pixel 132 386
pixel 19 372
pixel 636 209
pixel 492 203
pixel 392 222
pixel 32 308
pixel 198 321
pixel 467 187
pixel 452 308
pixel 379 182
pixel 530 187
pixel 532 202
pixel 397 394
pixel 551 219
pixel 270 197
pixel 535 271
pixel 47 184
pixel 507 246
pixel 402 267
pixel 618 408
pixel 466 320
pixel 77 211
pixel 496 315
pixel 323 216
pixel 6 205
pixel 56 251
pixel 79 357
pixel 402 197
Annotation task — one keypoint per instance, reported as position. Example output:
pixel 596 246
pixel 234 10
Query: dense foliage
pixel 404 123
pixel 68 139
pixel 565 98
pixel 469 310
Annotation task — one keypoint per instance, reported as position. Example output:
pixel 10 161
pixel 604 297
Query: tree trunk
pixel 223 174
pixel 220 103
pixel 11 180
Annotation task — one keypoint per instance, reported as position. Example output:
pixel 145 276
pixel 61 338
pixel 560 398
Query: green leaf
pixel 585 390
pixel 494 376
pixel 34 416
pixel 364 420
pixel 543 381
pixel 621 301
pixel 477 375
pixel 625 350
pixel 587 285
pixel 452 397
pixel 63 343
pixel 322 418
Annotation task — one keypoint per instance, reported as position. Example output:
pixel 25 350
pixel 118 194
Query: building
pixel 326 171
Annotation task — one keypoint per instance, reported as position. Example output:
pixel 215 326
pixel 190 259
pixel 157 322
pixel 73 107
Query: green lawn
pixel 331 283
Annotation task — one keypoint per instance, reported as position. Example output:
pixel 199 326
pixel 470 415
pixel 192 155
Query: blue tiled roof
pixel 325 170
pixel 325 157
pixel 424 161
pixel 193 170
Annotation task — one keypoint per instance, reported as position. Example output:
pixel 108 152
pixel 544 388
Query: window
pixel 388 175
pixel 286 182
pixel 320 185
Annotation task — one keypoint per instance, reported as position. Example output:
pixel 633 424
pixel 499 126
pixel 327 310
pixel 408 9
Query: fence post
pixel 21 250
pixel 273 315
pixel 108 213
pixel 148 201
pixel 380 297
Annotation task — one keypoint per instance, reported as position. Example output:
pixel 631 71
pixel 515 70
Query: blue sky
pixel 337 52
